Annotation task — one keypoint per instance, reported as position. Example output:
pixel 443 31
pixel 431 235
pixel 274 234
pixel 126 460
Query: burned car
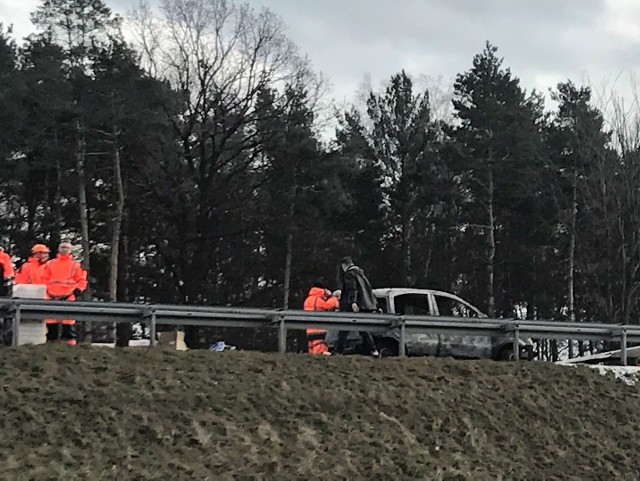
pixel 427 302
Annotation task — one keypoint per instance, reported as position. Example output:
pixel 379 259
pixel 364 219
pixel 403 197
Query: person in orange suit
pixel 6 272
pixel 319 299
pixel 32 271
pixel 65 278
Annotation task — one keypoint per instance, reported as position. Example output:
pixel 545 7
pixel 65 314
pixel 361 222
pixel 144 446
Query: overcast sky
pixel 543 41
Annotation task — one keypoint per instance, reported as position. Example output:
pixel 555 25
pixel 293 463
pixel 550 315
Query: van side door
pixel 417 305
pixel 459 345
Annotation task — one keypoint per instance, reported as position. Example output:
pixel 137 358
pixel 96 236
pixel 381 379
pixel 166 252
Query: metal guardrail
pixel 152 314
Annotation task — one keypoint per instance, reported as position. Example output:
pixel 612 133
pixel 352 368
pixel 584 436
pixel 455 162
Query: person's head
pixel 319 284
pixel 345 263
pixel 65 248
pixel 40 252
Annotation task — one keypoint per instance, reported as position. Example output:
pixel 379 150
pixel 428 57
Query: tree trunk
pixel 289 249
pixel 532 301
pixel 572 247
pixel 554 350
pixel 55 201
pixel 572 254
pixel 117 220
pixel 406 247
pixel 122 330
pixel 491 308
pixel 84 220
pixel 84 210
pixel 57 230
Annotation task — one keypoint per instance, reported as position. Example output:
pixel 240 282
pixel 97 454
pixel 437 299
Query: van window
pixel 448 306
pixel 412 305
pixel 382 304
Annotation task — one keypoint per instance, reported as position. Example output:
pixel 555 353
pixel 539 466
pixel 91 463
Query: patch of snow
pixel 132 343
pixel 627 374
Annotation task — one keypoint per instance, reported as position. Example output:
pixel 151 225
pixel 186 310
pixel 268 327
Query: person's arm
pixel 7 266
pixel 81 278
pixel 333 303
pixel 46 273
pixel 22 274
pixel 330 304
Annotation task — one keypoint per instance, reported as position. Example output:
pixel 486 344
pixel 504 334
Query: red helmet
pixel 39 248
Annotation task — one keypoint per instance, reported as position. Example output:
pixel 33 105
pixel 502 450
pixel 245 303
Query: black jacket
pixel 356 289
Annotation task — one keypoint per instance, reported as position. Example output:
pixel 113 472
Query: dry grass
pixel 155 414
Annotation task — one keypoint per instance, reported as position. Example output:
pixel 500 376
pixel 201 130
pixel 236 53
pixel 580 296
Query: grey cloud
pixel 539 39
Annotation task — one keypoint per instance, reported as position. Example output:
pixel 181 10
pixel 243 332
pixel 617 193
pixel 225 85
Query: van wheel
pixel 388 348
pixel 506 353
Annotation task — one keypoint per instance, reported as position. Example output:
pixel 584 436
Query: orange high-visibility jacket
pixel 316 302
pixel 64 274
pixel 6 264
pixel 31 272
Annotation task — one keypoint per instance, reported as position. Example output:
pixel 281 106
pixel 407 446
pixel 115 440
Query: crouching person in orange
pixel 319 299
pixel 65 278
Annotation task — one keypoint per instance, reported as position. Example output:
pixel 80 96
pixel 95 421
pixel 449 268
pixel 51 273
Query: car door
pixel 461 345
pixel 417 304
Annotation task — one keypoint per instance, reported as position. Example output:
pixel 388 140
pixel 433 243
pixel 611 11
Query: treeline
pixel 191 166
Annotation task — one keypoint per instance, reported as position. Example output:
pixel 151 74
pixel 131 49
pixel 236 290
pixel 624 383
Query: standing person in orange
pixel 6 272
pixel 319 299
pixel 65 278
pixel 32 271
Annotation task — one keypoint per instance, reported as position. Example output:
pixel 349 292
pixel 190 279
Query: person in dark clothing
pixel 356 296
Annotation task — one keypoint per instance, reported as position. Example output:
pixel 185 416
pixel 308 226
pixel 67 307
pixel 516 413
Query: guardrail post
pixel 152 327
pixel 282 335
pixel 16 325
pixel 516 342
pixel 403 338
pixel 623 347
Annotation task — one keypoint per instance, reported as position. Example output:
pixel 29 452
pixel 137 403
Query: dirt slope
pixel 99 413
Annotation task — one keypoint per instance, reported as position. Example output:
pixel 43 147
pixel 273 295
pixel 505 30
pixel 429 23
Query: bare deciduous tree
pixel 219 55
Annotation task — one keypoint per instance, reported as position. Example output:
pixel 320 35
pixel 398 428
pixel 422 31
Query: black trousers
pixel 61 332
pixel 368 344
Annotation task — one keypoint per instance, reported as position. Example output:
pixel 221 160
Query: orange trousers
pixel 315 341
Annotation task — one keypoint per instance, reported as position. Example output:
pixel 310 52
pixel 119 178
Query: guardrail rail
pixel 19 310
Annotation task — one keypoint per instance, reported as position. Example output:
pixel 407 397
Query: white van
pixel 427 302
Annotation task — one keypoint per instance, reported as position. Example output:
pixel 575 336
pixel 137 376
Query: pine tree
pixel 499 143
